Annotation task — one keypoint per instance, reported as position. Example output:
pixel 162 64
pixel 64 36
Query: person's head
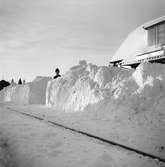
pixel 57 71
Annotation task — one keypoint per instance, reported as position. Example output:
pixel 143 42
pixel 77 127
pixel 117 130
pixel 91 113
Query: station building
pixel 145 44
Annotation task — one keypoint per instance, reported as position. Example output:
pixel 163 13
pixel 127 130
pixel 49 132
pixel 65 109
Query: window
pixel 161 34
pixel 156 35
pixel 151 36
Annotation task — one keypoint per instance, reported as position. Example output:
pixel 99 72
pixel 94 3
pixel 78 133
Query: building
pixel 152 45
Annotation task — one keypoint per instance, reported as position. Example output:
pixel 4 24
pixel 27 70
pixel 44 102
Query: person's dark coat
pixel 56 76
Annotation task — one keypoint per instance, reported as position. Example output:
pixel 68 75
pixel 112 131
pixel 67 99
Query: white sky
pixel 36 36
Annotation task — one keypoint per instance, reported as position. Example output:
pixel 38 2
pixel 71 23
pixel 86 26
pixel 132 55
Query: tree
pixel 3 84
pixel 20 81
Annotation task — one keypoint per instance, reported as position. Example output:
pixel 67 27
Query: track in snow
pixel 100 139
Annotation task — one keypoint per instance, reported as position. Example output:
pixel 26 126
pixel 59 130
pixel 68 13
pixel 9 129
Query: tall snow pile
pixel 108 88
pixel 30 93
pixel 84 85
pixel 81 86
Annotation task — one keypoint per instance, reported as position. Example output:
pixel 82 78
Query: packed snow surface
pixel 26 142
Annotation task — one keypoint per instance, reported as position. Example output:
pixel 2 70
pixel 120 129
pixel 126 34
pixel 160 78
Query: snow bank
pixel 30 93
pixel 113 92
pixel 37 90
pixel 138 97
pixel 17 94
pixel 82 86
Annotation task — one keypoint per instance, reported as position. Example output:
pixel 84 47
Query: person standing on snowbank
pixel 57 71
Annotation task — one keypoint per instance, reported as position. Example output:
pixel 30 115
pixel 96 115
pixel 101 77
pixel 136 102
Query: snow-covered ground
pixel 5 156
pixel 145 138
pixel 32 143
pixel 118 104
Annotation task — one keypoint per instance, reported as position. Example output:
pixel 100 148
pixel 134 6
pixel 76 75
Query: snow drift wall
pixel 84 85
pixel 17 94
pixel 89 87
pixel 30 93
pixel 37 90
pixel 81 86
pixel 76 89
pixel 106 91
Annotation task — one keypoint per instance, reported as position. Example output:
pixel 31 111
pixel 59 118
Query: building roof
pixel 135 43
pixel 154 22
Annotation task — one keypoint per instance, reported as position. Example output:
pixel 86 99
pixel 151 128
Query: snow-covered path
pixel 5 156
pixel 36 144
pixel 148 139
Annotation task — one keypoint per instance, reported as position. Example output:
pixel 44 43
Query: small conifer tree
pixel 20 81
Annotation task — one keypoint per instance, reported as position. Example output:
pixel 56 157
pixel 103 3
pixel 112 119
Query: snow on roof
pixel 154 22
pixel 135 43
